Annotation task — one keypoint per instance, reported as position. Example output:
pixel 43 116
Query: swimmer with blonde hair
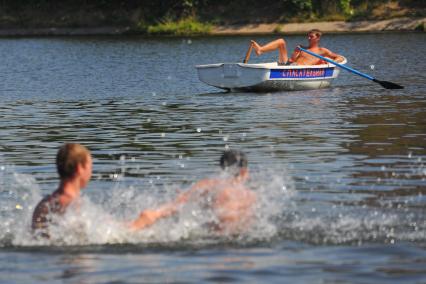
pixel 74 166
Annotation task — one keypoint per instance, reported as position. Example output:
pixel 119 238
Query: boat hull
pixel 267 76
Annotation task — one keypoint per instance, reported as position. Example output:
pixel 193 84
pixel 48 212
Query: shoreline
pixel 397 24
pixel 390 25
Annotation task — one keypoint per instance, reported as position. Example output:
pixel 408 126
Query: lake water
pixel 340 172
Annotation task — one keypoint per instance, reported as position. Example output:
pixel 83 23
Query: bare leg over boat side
pixel 279 44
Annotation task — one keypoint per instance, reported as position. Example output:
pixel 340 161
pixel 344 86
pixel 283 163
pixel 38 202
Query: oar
pixel 385 84
pixel 246 59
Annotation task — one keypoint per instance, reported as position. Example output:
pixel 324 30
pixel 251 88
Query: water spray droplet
pixel 113 176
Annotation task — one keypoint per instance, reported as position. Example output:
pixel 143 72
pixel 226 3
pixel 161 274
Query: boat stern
pixel 231 75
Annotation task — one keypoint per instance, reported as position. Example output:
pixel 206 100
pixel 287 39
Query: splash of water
pixel 282 212
pixel 104 220
pixel 19 193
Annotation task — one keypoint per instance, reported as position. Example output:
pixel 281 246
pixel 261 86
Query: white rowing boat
pixel 262 77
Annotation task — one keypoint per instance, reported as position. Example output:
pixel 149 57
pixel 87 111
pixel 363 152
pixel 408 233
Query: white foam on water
pixel 347 224
pixel 281 212
pixel 19 193
pixel 104 220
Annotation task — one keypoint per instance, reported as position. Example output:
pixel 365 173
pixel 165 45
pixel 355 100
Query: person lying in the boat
pixel 298 57
pixel 229 199
pixel 74 166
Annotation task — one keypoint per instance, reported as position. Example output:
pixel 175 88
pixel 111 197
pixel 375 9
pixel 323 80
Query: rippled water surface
pixel 340 172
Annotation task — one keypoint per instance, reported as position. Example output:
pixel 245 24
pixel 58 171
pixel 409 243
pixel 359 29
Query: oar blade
pixel 385 84
pixel 388 85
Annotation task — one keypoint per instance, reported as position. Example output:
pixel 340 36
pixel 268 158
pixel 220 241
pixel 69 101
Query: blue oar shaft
pixel 338 64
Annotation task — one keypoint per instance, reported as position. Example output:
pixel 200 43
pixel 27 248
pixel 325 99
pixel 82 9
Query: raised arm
pixel 203 185
pixel 295 54
pixel 150 216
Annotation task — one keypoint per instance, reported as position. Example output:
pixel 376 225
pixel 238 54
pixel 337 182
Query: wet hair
pixel 69 156
pixel 233 159
pixel 317 32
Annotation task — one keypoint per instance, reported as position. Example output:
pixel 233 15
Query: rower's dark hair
pixel 317 32
pixel 233 158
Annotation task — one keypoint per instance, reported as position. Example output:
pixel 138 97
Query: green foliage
pixel 178 16
pixel 301 5
pixel 345 7
pixel 420 27
pixel 278 29
pixel 187 26
pixel 323 8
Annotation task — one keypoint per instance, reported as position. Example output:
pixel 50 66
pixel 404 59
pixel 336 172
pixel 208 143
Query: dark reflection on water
pixel 300 264
pixel 355 152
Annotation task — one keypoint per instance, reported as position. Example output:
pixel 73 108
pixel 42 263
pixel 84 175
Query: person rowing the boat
pixel 298 57
pixel 228 198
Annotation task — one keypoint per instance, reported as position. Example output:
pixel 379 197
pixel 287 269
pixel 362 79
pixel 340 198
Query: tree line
pixel 137 12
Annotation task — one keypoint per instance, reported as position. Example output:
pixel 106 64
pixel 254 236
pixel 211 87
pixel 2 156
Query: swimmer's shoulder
pixel 49 204
pixel 40 213
pixel 207 183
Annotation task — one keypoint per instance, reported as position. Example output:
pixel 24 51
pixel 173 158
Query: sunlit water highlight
pixel 340 172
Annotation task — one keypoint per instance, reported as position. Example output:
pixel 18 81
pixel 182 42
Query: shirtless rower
pixel 298 57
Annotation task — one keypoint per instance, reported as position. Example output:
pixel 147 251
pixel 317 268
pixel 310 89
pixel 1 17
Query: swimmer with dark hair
pixel 230 200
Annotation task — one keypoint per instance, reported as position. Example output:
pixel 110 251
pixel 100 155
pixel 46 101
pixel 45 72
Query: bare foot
pixel 257 48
